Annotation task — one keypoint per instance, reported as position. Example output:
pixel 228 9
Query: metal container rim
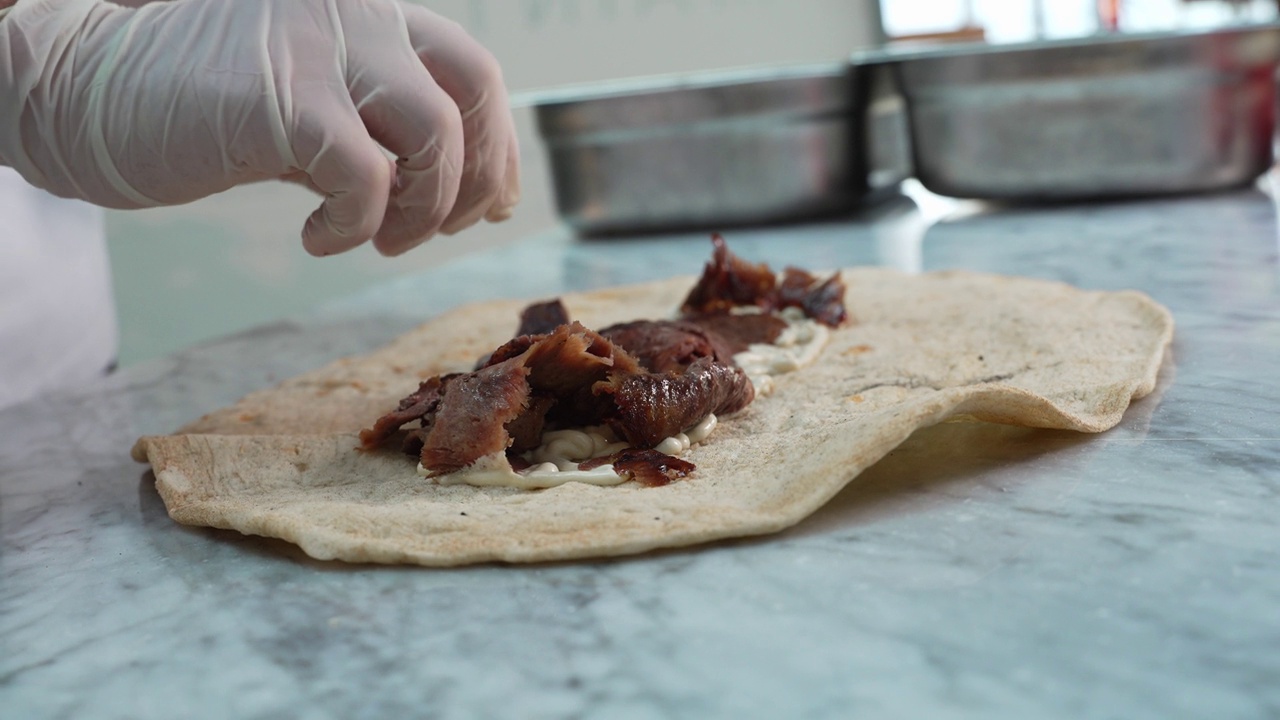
pixel 879 56
pixel 675 84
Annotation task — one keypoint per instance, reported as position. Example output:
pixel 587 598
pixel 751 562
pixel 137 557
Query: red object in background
pixel 1109 15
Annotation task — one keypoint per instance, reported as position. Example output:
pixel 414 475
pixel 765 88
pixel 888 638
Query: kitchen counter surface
pixel 977 570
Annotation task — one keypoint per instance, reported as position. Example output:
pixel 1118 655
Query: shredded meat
pixel 737 332
pixel 506 404
pixel 728 281
pixel 511 348
pixel 647 467
pixel 564 360
pixel 662 345
pixel 794 287
pixel 536 320
pixel 526 428
pixel 470 420
pixel 422 402
pixel 822 301
pixel 541 318
pixel 647 380
pixel 566 364
pixel 652 407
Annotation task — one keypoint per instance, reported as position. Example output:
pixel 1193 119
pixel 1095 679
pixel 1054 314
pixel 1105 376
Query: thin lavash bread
pixel 283 462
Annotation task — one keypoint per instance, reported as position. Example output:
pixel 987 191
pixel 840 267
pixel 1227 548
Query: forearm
pixel 42 104
pixel 165 104
pixel 6 4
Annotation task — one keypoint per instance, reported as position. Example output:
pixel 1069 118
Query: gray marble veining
pixel 977 571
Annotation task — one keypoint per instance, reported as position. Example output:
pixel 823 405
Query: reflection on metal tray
pixel 1108 116
pixel 718 149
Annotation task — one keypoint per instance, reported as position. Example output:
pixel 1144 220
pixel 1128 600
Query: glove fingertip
pixel 394 238
pixel 461 223
pixel 499 214
pixel 504 206
pixel 321 239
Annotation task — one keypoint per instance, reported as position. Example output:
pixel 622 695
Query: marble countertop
pixel 978 570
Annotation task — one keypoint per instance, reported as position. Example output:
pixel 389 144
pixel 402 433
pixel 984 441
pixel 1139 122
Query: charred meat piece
pixel 825 303
pixel 505 405
pixel 562 361
pixel 566 364
pixel 737 332
pixel 541 318
pixel 511 348
pixel 727 282
pixel 536 319
pixel 422 402
pixel 822 301
pixel 557 372
pixel 652 407
pixel 647 467
pixel 794 287
pixel 470 420
pixel 663 345
pixel 526 428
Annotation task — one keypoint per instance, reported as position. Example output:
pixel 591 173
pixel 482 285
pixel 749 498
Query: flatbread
pixel 282 462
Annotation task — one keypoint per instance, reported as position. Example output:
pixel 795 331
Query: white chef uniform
pixel 57 316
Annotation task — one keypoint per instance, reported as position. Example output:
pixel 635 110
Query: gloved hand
pixel 174 101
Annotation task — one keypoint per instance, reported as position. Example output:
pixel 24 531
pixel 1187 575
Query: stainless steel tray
pixel 730 148
pixel 1100 117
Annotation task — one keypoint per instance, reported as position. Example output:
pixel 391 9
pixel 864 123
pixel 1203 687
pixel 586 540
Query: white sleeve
pixel 35 35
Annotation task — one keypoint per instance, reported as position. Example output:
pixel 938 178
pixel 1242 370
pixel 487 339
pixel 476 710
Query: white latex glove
pixel 175 101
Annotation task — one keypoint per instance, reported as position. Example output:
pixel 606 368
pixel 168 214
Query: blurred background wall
pixel 189 273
